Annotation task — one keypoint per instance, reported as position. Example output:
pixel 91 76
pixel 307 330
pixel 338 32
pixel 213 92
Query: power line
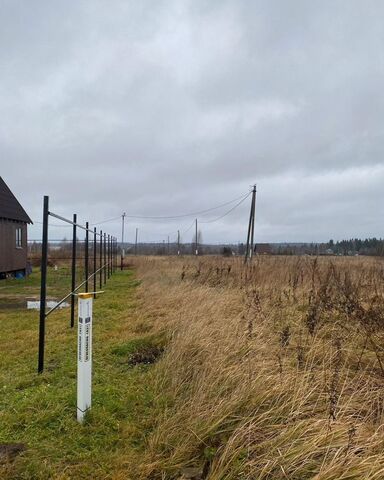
pixel 229 211
pixel 184 232
pixel 169 217
pixel 207 221
pixel 189 228
pixel 201 212
pixel 108 220
pixel 168 234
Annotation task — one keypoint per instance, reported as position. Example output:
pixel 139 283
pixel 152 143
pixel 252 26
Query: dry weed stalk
pixel 223 404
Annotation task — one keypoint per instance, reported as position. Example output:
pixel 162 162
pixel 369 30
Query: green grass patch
pixel 58 283
pixel 39 411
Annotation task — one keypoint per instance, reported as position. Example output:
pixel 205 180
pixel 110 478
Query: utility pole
pixel 136 241
pixel 122 240
pixel 251 228
pixel 196 242
pixel 168 244
pixel 178 242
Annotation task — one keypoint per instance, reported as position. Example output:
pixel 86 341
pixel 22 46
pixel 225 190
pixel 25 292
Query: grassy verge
pixel 272 372
pixel 39 411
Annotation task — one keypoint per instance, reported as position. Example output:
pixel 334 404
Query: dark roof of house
pixel 10 208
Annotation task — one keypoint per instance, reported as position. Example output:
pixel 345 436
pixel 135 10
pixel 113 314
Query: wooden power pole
pixel 122 240
pixel 136 241
pixel 178 242
pixel 251 228
pixel 196 242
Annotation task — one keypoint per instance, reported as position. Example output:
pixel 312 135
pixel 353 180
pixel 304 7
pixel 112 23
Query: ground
pixel 204 368
pixel 39 411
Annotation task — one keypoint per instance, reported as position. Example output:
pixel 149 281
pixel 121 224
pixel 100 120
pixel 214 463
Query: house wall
pixel 11 257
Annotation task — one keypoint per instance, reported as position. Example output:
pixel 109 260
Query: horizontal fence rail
pixel 104 251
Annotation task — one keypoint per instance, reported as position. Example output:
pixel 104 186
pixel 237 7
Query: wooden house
pixel 13 234
pixel 263 249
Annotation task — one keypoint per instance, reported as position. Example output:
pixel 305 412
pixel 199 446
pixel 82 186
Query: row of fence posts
pixel 106 254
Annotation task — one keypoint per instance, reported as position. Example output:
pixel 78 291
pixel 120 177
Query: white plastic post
pixel 84 355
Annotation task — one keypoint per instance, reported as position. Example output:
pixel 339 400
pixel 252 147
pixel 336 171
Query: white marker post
pixel 84 355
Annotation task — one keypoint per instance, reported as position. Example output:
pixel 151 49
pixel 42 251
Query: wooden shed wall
pixel 11 257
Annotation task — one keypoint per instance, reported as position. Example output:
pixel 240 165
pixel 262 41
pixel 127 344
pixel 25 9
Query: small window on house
pixel 19 242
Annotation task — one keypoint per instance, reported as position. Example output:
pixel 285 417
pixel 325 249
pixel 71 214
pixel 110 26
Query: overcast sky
pixel 165 107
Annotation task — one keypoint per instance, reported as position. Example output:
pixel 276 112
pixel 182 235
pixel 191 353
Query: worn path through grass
pixel 39 411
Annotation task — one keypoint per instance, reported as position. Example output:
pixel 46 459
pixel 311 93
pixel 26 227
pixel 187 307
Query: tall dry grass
pixel 273 371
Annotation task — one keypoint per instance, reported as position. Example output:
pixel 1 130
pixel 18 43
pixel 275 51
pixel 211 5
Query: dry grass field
pixel 206 369
pixel 274 371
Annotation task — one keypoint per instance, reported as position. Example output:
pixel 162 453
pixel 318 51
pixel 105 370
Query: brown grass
pixel 274 371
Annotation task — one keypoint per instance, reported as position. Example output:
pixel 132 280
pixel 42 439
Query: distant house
pixel 263 249
pixel 13 234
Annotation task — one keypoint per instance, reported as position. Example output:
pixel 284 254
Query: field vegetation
pixel 39 435
pixel 206 369
pixel 273 371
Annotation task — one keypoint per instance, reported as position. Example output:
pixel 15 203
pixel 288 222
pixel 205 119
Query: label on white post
pixel 84 355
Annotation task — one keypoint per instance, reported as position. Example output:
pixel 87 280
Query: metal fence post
pixel 122 256
pixel 94 261
pixel 73 273
pixel 101 260
pixel 115 254
pixel 105 258
pixel 111 255
pixel 43 290
pixel 108 255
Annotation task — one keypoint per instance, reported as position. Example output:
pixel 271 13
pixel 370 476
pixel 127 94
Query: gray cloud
pixel 162 107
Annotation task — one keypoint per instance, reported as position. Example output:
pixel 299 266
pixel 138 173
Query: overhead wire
pixel 183 232
pixel 106 221
pixel 187 230
pixel 174 233
pixel 228 212
pixel 171 234
pixel 191 214
pixel 169 217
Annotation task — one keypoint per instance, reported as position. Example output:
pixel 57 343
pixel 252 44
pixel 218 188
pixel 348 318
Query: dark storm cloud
pixel 162 107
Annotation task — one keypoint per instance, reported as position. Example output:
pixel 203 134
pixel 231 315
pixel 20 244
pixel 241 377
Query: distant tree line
pixel 354 246
pixel 369 246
